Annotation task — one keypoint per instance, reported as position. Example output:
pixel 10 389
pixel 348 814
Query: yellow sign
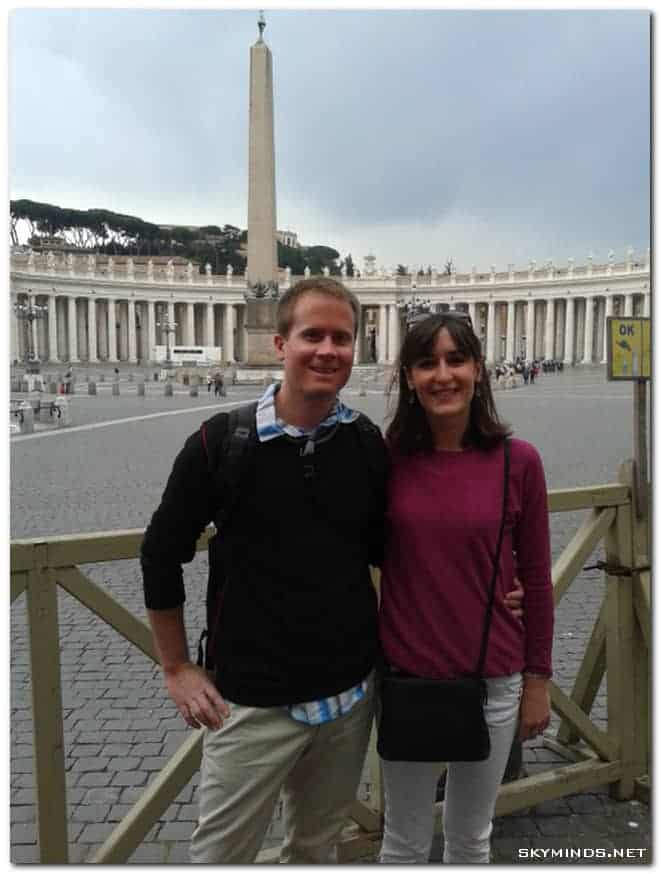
pixel 628 348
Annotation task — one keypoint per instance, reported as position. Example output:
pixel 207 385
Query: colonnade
pixel 97 329
pixel 114 312
pixel 571 329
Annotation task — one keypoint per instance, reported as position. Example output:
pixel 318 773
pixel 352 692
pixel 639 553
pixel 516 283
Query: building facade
pixel 100 308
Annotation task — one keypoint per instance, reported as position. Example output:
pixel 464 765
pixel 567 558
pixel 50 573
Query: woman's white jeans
pixel 470 792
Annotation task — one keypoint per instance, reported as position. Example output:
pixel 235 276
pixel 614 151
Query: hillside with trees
pixel 104 232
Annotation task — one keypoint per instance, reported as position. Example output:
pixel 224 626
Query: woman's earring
pixel 412 398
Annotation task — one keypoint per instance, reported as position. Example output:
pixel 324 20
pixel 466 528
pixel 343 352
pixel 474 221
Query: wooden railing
pixel 618 648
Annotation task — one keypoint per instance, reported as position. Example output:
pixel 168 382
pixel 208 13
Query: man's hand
pixel 514 599
pixel 535 709
pixel 195 695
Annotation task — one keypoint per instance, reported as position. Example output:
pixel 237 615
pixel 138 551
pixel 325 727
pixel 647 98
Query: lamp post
pixel 414 308
pixel 169 328
pixel 27 313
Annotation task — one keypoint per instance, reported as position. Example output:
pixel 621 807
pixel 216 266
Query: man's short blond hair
pixel 321 285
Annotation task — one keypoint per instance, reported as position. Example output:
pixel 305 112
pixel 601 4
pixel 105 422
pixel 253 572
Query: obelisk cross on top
pixel 262 264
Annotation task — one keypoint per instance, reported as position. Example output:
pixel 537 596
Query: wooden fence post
pixel 620 641
pixel 642 628
pixel 47 710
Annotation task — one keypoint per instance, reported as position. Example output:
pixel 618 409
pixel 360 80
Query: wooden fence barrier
pixel 618 648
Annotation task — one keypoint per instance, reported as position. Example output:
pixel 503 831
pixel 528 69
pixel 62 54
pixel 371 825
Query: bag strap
pixel 496 561
pixel 239 438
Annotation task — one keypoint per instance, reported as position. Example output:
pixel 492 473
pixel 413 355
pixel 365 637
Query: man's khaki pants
pixel 258 752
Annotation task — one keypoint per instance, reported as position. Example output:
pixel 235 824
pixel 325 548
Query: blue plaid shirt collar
pixel 269 426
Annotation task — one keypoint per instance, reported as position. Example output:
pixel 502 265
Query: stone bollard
pixel 167 389
pixel 102 377
pixel 362 391
pixel 193 391
pixel 141 388
pixel 185 380
pixel 130 377
pixel 115 389
pixel 156 377
pixel 91 387
pixel 62 412
pixel 52 388
pixel 26 418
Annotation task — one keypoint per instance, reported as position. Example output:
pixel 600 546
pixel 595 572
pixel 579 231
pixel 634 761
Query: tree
pixel 401 270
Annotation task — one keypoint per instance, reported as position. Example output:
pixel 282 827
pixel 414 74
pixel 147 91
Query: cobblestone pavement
pixel 120 727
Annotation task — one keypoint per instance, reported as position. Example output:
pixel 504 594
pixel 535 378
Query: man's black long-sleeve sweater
pixel 298 619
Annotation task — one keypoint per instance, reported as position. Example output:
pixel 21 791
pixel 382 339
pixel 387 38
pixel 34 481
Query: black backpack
pixel 236 435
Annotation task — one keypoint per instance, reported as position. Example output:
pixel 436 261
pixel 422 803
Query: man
pixel 290 706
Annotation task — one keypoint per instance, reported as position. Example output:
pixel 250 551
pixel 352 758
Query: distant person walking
pixel 218 385
pixel 209 381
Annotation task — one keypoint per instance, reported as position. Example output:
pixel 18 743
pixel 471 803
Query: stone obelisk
pixel 262 266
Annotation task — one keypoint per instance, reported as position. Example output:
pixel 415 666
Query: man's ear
pixel 279 343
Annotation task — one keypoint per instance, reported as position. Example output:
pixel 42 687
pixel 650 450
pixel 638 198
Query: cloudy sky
pixel 486 136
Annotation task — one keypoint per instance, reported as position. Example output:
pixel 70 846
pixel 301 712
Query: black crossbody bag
pixel 425 720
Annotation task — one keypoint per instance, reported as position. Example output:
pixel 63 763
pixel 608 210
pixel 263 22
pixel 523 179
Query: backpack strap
pixel 241 437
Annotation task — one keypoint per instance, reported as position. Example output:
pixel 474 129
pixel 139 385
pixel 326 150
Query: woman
pixel 445 503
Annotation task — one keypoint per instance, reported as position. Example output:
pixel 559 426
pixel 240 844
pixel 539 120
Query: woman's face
pixel 444 382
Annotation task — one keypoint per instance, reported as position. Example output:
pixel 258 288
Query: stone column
pixel 569 331
pixel 393 333
pixel 151 329
pixel 530 329
pixel 511 315
pixel 549 332
pixel 102 327
pixel 608 313
pixel 14 344
pixel 52 328
pixel 491 333
pixel 91 331
pixel 589 328
pixel 112 331
pixel 122 331
pixel 628 305
pixel 209 336
pixel 646 304
pixel 133 359
pixel 472 312
pixel 228 333
pixel 358 346
pixel 383 334
pixel 189 333
pixel 171 321
pixel 73 329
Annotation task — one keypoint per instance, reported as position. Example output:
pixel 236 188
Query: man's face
pixel 318 352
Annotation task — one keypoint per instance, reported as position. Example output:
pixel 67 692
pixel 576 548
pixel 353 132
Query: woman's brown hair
pixel 409 430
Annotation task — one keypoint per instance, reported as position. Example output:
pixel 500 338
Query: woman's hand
pixel 514 599
pixel 535 708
